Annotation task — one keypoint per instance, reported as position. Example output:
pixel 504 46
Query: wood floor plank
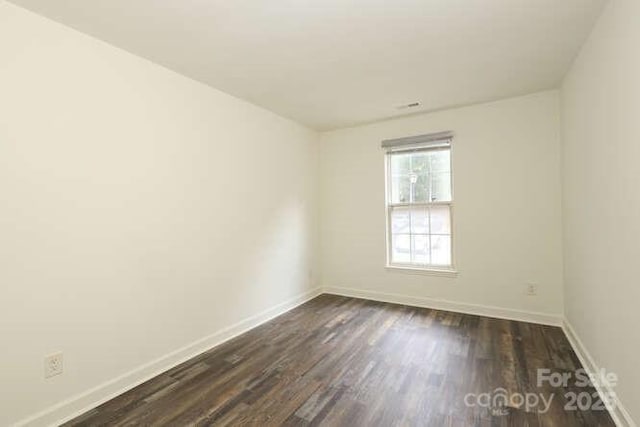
pixel 339 361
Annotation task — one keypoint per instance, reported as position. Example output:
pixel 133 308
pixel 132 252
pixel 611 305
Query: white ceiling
pixel 335 63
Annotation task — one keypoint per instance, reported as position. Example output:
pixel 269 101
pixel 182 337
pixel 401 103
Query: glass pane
pixel 420 176
pixel 441 187
pixel 420 187
pixel 400 248
pixel 419 221
pixel 440 161
pixel 420 163
pixel 420 249
pixel 441 250
pixel 400 188
pixel 400 164
pixel 440 219
pixel 400 221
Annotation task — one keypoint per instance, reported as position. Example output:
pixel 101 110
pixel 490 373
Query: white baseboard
pixel 83 402
pixel 620 415
pixel 458 307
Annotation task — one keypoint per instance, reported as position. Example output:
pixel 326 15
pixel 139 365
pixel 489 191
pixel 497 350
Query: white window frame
pixel 389 206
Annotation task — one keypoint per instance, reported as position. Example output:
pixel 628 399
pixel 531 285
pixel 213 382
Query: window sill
pixel 425 271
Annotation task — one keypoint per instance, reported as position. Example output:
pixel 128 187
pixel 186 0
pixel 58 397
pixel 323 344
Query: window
pixel 419 202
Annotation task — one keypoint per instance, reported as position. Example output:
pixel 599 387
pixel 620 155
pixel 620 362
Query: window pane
pixel 400 248
pixel 440 161
pixel 420 163
pixel 420 187
pixel 400 188
pixel 419 221
pixel 441 187
pixel 420 176
pixel 400 164
pixel 440 219
pixel 441 250
pixel 420 249
pixel 400 221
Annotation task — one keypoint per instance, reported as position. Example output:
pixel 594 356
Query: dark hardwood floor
pixel 340 361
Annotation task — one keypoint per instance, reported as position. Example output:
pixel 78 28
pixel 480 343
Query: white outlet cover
pixel 53 365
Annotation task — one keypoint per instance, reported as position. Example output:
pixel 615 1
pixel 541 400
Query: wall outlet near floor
pixel 53 365
pixel 531 289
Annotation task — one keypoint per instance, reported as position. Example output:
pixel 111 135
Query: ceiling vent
pixel 414 104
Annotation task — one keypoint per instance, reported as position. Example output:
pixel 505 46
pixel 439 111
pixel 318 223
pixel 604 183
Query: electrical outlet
pixel 532 289
pixel 53 365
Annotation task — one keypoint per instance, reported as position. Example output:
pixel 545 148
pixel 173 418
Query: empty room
pixel 319 213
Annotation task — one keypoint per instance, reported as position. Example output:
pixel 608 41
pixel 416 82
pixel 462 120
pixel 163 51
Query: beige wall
pixel 507 220
pixel 601 133
pixel 139 211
